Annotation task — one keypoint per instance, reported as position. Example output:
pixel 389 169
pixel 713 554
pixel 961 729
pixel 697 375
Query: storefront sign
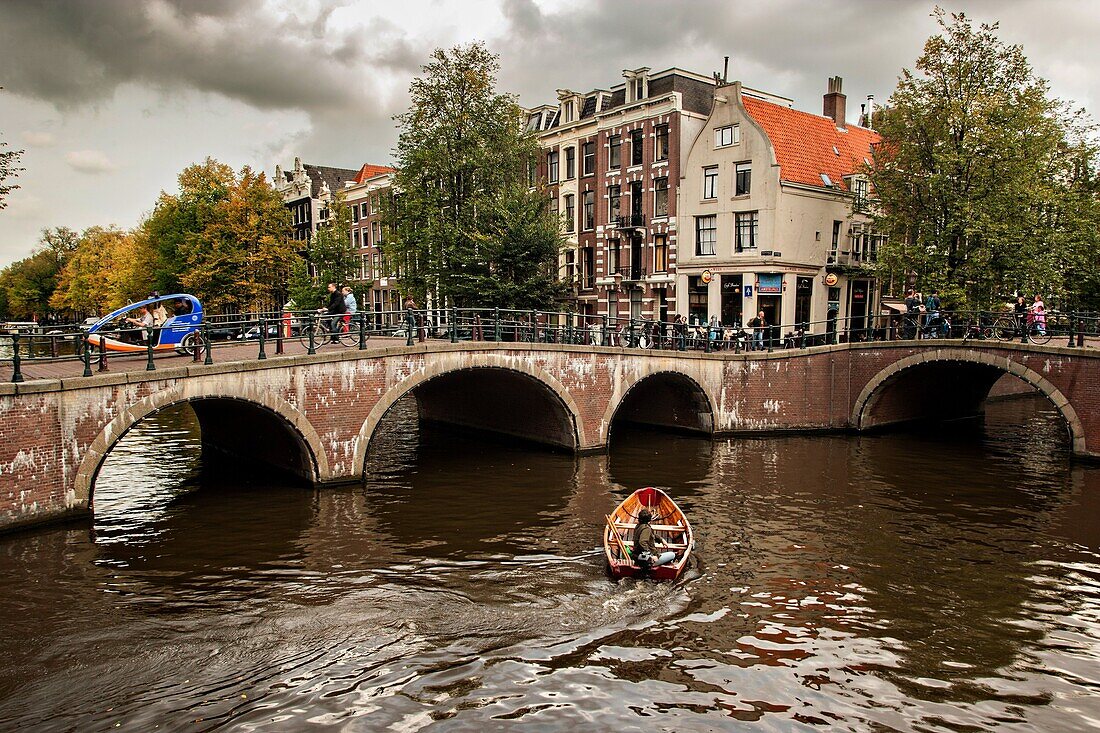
pixel 707 276
pixel 769 284
pixel 831 279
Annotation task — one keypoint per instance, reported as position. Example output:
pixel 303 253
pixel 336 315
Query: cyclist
pixel 336 307
pixel 934 321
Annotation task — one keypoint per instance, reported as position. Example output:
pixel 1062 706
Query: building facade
pixel 374 281
pixel 612 160
pixel 306 190
pixel 772 216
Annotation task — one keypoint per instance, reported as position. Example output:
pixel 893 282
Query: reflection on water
pixel 946 579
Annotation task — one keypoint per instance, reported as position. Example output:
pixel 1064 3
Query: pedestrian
pixel 1019 311
pixel 681 329
pixel 932 312
pixel 1038 315
pixel 758 325
pixel 912 314
pixel 352 307
pixel 412 319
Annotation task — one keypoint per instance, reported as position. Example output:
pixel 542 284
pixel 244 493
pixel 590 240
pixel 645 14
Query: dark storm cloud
pixel 788 47
pixel 75 53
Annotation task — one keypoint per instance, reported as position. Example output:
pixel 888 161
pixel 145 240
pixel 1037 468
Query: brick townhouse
pixel 682 194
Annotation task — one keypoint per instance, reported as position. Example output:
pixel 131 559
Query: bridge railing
pixel 280 332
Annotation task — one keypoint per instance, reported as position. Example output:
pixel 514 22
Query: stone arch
pixel 874 387
pixel 655 370
pixel 478 360
pixel 98 449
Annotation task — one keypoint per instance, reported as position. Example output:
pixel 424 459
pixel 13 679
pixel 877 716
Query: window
pixel 365 209
pixel 588 154
pixel 743 179
pixel 835 243
pixel 639 89
pixel 589 210
pixel 614 202
pixel 355 239
pixel 728 135
pixel 615 152
pixel 570 265
pixel 747 223
pixel 698 292
pixel 612 256
pixel 588 267
pixel 376 231
pixel 859 192
pixel 570 212
pixel 636 202
pixel 710 182
pixel 555 211
pixel 355 213
pixel 660 253
pixel 374 204
pixel 570 163
pixel 706 233
pixel 635 147
pixel 368 274
pixel 552 166
pixel 660 197
pixel 366 237
pixel 660 149
pixel 803 297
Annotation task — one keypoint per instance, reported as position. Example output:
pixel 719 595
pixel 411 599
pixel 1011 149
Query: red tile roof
pixel 369 171
pixel 804 143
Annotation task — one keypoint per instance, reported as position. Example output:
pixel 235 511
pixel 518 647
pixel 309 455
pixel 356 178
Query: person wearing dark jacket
pixel 646 552
pixel 336 307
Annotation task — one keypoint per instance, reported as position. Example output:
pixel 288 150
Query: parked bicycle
pixel 1009 327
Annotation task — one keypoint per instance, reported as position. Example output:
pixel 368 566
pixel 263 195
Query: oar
pixel 618 539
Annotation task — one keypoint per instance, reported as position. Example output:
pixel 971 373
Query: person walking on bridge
pixel 336 307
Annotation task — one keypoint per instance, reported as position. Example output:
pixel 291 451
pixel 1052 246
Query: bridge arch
pixel 893 378
pixel 483 362
pixel 298 430
pixel 675 400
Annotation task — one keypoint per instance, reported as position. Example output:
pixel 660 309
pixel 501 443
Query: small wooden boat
pixel 669 526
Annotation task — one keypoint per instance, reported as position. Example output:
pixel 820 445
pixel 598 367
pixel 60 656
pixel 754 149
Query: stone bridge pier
pixel 315 416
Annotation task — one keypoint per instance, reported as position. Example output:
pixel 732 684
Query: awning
pixel 889 308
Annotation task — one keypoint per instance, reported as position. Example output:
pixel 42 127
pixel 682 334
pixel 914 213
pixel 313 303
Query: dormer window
pixel 637 84
pixel 568 112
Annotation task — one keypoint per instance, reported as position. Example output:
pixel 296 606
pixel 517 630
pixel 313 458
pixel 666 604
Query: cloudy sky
pixel 110 99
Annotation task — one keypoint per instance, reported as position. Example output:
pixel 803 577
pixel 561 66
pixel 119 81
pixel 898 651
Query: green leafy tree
pixel 462 162
pixel 974 176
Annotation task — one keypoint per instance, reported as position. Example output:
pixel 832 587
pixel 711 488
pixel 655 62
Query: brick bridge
pixel 315 415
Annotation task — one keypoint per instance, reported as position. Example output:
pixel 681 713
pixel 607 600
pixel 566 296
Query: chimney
pixel 835 102
pixel 870 111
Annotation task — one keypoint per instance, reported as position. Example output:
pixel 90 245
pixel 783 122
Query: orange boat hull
pixel 669 524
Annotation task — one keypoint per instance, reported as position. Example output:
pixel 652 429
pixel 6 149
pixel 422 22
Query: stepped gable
pixel 804 144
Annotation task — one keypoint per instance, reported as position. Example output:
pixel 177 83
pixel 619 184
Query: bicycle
pixel 1007 328
pixel 321 331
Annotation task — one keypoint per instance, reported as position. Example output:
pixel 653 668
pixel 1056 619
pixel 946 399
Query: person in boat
pixel 646 551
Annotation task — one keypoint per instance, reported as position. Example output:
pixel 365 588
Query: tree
pixel 28 284
pixel 974 172
pixel 223 237
pixel 462 158
pixel 108 269
pixel 9 169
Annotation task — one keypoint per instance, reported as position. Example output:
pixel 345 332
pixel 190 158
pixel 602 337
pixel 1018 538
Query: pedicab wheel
pixel 187 345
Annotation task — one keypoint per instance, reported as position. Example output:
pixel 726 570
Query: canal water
pixel 946 579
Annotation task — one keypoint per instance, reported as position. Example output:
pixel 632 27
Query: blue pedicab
pixel 177 332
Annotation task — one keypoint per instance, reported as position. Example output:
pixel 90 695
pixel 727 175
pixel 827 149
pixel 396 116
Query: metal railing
pixel 311 331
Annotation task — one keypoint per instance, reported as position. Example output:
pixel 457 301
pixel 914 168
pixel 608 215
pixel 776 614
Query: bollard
pixel 279 339
pixel 311 325
pixel 362 330
pixel 86 357
pixel 53 347
pixel 630 333
pixel 1070 344
pixel 149 365
pixel 16 361
pixel 208 357
pixel 263 339
pixel 196 346
pixel 102 354
pixel 496 324
pixel 454 325
pixel 410 324
pixel 603 332
pixel 706 339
